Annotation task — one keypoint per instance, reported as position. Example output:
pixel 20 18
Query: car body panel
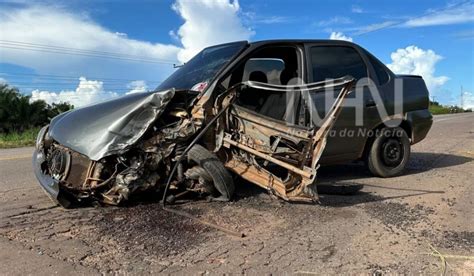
pixel 110 127
pixel 420 122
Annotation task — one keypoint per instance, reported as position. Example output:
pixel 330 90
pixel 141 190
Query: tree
pixel 19 113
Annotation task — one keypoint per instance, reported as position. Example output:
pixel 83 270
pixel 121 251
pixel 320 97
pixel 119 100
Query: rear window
pixel 332 62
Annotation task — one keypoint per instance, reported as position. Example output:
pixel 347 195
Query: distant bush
pixel 436 108
pixel 19 114
pixel 17 139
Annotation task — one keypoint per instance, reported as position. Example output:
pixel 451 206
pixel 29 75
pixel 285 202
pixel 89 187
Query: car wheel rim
pixel 392 152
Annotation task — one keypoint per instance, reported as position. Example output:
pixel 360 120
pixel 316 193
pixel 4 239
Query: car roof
pixel 319 41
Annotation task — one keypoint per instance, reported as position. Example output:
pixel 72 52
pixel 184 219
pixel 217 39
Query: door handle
pixel 370 103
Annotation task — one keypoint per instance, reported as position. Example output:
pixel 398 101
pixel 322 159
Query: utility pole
pixel 462 98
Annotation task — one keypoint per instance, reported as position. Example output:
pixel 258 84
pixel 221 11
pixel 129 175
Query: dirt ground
pixel 391 225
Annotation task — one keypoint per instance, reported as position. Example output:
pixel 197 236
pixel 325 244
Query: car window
pixel 331 62
pixel 271 67
pixel 278 65
pixel 379 69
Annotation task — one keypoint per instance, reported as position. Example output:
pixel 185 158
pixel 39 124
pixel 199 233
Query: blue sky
pixel 432 38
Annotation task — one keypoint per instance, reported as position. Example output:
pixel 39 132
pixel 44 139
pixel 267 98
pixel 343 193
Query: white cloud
pixel 272 19
pixel 3 81
pixel 416 61
pixel 375 27
pixel 468 100
pixel 48 25
pixel 357 9
pixel 121 34
pixel 208 22
pixel 137 86
pixel 340 36
pixel 466 34
pixel 336 20
pixel 252 18
pixel 87 92
pixel 454 14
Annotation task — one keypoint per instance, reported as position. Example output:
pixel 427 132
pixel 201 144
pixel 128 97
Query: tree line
pixel 437 108
pixel 18 113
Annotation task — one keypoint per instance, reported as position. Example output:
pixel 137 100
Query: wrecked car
pixel 234 109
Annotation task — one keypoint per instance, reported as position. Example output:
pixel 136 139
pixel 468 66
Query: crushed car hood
pixel 110 127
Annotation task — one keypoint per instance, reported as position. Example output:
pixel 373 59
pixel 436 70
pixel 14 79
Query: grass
pixel 438 109
pixel 15 139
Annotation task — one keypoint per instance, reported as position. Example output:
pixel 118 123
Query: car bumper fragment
pixel 49 184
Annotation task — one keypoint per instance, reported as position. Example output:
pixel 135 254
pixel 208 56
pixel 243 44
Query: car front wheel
pixel 216 172
pixel 389 152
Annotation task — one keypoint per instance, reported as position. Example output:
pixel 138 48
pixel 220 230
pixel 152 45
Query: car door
pixel 266 145
pixel 261 122
pixel 359 113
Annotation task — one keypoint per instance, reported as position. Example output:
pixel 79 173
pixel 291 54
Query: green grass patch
pixel 16 139
pixel 438 109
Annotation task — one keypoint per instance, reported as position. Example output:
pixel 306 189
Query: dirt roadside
pixel 387 227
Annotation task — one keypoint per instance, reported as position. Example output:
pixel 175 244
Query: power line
pixel 71 87
pixel 18 45
pixel 78 50
pixel 87 55
pixel 71 83
pixel 65 77
pixel 79 94
pixel 54 89
pixel 66 87
pixel 65 81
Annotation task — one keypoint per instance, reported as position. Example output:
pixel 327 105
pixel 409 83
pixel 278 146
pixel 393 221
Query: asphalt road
pixel 392 225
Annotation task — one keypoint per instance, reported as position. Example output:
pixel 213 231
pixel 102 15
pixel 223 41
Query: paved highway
pixel 388 227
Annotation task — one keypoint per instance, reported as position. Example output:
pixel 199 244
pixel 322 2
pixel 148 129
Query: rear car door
pixel 359 113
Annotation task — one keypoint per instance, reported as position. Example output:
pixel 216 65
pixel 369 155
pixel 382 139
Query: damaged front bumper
pixel 49 184
pixel 136 145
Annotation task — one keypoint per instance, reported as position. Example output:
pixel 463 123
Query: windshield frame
pixel 243 45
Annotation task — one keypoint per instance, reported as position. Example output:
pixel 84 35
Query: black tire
pixel 389 152
pixel 213 166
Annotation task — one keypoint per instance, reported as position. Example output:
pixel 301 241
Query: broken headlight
pixel 40 137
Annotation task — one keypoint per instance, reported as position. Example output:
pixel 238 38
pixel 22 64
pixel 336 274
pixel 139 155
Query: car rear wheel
pixel 389 152
pixel 221 178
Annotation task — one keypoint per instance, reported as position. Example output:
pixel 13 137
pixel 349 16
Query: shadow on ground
pixel 419 162
pixel 338 185
pixel 425 161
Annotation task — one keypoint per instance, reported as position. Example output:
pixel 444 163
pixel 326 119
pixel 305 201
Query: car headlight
pixel 40 137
